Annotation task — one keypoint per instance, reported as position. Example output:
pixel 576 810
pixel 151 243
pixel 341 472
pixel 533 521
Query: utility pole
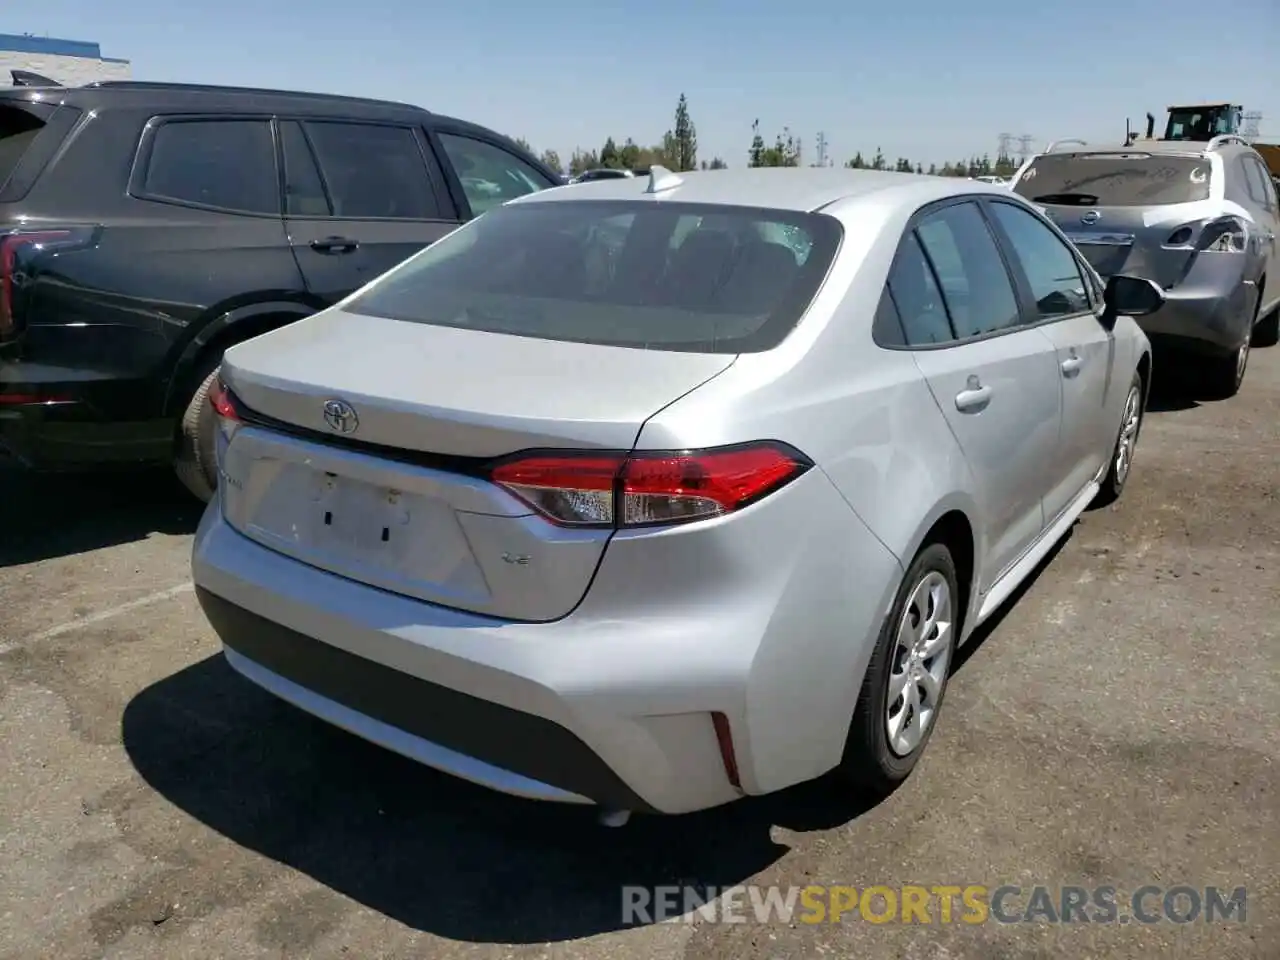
pixel 1252 121
pixel 822 160
pixel 1024 147
pixel 1005 148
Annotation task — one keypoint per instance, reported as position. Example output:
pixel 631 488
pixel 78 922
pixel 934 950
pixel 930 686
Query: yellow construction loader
pixel 1204 121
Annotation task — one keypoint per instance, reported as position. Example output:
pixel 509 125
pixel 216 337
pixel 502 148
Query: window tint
pixel 1258 182
pixel 18 130
pixel 304 191
pixel 607 272
pixel 490 175
pixel 219 163
pixel 974 281
pixel 1051 268
pixel 917 297
pixel 1114 179
pixel 373 171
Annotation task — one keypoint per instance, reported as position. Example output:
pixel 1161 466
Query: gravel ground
pixel 1117 726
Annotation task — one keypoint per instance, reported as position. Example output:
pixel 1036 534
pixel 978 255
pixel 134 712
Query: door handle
pixel 1071 366
pixel 974 397
pixel 334 245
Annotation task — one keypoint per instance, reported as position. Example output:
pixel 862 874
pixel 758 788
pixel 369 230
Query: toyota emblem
pixel 1092 217
pixel 340 416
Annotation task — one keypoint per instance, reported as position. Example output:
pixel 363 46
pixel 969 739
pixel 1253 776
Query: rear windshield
pixel 635 273
pixel 1115 180
pixel 18 129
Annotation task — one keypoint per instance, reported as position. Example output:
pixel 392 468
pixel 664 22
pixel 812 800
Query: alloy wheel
pixel 920 661
pixel 1128 434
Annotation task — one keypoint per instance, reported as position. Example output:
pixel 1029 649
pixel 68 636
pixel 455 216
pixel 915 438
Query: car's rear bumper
pixel 614 708
pixel 55 418
pixel 1210 312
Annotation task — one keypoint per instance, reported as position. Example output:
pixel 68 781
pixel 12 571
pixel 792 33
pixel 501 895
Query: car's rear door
pixel 1063 298
pixel 994 378
pixel 360 198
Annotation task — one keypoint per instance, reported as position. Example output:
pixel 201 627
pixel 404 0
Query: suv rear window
pixel 659 276
pixel 18 130
pixel 1115 180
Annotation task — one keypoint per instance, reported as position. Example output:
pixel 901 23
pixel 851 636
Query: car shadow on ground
pixel 428 850
pixel 54 516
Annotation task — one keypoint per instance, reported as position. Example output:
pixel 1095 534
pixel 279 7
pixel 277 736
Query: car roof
pixel 1195 148
pixel 802 189
pixel 197 97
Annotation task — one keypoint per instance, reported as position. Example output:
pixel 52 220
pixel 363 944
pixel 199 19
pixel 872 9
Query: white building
pixel 71 63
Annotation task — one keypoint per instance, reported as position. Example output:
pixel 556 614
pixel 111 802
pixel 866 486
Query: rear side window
pixel 975 283
pixel 490 175
pixel 373 171
pixel 18 130
pixel 1115 180
pixel 608 272
pixel 228 164
pixel 917 297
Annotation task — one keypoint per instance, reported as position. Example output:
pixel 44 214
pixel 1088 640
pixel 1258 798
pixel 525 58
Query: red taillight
pixel 11 244
pixel 223 404
pixel 640 489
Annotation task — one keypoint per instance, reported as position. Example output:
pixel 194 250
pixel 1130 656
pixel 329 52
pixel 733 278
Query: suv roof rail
pixel 1223 138
pixel 220 88
pixel 1054 144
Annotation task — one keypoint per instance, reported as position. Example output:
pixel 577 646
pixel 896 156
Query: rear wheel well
pixel 954 532
pixel 229 336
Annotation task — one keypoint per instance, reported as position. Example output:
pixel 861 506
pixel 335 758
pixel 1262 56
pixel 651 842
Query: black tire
pixel 1118 471
pixel 195 458
pixel 1267 332
pixel 1223 376
pixel 869 763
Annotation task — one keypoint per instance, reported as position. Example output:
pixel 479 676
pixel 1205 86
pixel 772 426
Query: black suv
pixel 145 228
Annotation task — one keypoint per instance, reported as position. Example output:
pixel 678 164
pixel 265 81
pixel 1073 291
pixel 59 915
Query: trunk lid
pixel 1128 211
pixel 456 392
pixel 436 528
pixel 1154 242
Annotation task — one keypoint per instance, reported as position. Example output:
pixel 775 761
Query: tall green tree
pixel 552 160
pixel 685 138
pixel 857 163
pixel 610 155
pixel 523 143
pixel 755 154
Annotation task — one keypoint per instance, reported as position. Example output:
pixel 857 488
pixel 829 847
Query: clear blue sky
pixel 928 79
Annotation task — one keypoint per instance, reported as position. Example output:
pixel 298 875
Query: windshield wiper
pixel 1068 199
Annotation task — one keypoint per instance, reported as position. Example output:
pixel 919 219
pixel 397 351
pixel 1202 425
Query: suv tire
pixel 195 456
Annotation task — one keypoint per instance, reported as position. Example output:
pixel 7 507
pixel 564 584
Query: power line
pixel 1024 147
pixel 1005 149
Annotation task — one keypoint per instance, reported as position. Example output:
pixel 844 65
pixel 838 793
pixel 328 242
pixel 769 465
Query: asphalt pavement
pixel 1116 726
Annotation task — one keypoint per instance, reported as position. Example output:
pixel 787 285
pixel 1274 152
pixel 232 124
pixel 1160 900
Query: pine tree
pixel 686 138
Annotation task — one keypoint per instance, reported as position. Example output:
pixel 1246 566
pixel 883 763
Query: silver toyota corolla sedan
pixel 663 491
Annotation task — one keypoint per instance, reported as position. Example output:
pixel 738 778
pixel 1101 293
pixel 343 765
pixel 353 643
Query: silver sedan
pixel 666 490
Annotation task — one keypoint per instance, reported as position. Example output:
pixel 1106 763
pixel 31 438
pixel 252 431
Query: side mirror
pixel 1130 297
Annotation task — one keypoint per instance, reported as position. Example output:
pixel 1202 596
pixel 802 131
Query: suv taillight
pixel 15 248
pixel 648 488
pixel 1227 234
